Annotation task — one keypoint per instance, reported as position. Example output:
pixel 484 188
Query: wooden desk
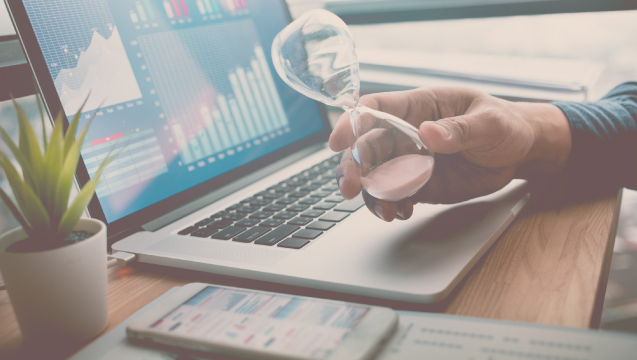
pixel 549 267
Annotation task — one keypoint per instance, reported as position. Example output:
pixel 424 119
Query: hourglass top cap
pixel 315 55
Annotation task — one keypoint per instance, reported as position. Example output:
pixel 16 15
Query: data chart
pixel 86 55
pixel 139 159
pixel 215 85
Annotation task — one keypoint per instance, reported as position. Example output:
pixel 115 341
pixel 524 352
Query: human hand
pixel 480 143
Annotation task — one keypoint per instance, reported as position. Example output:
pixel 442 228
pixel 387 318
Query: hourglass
pixel 316 56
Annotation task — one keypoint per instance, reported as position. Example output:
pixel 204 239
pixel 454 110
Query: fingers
pixel 479 130
pixel 398 103
pixel 388 210
pixel 348 176
pixel 342 136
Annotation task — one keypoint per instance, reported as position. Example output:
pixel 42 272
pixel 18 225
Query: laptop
pixel 224 168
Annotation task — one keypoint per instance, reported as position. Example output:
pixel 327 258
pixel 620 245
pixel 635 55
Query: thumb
pixel 446 136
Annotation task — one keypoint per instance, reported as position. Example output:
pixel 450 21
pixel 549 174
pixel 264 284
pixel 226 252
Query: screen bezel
pixel 360 343
pixel 53 105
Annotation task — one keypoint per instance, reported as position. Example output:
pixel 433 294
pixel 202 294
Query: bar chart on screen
pixel 140 159
pixel 217 105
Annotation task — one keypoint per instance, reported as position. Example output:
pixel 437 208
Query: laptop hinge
pixel 223 191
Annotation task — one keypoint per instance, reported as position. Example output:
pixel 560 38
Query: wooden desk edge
pixel 598 308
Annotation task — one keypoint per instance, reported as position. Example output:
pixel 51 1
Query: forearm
pixel 604 139
pixel 551 138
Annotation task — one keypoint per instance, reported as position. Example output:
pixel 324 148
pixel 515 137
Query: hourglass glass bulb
pixel 315 55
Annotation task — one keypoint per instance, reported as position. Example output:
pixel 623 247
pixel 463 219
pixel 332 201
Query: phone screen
pixel 264 321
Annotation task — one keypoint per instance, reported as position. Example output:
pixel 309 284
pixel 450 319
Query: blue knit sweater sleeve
pixel 604 133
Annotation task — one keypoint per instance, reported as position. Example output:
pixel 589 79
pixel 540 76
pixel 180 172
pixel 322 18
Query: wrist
pixel 551 138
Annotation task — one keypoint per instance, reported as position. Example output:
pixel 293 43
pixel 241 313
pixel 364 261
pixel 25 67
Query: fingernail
pixel 340 181
pixel 378 209
pixel 443 131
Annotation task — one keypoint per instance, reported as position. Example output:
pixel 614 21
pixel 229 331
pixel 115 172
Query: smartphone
pixel 264 325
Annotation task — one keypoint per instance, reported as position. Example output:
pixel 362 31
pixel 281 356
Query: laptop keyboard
pixel 290 214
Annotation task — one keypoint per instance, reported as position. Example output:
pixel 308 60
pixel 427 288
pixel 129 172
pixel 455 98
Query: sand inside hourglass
pixel 399 178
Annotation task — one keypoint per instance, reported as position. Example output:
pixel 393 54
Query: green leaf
pixel 35 211
pixel 26 167
pixel 69 139
pixel 28 201
pixel 14 179
pixel 73 213
pixel 16 213
pixel 30 147
pixel 54 159
pixel 65 181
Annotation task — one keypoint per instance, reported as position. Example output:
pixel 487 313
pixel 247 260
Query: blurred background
pixel 530 50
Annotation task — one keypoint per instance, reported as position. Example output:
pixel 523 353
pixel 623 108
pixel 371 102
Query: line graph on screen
pixel 103 70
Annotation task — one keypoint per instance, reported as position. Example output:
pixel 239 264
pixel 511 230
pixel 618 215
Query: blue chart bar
pixel 215 141
pixel 252 110
pixel 234 108
pixel 251 103
pixel 203 138
pixel 238 93
pixel 196 150
pixel 218 120
pixel 229 120
pixel 266 123
pixel 263 87
pixel 186 155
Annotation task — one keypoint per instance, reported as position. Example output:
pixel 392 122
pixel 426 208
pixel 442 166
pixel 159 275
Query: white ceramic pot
pixel 59 293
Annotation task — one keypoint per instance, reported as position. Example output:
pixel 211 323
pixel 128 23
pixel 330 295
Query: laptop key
pixel 272 223
pixel 330 188
pixel 188 230
pixel 204 232
pixel 260 202
pixel 324 206
pixel 274 207
pixel 310 187
pixel 293 243
pixel 309 201
pixel 350 205
pixel 220 214
pixel 234 216
pixel 247 209
pixel 247 222
pixel 261 215
pixel 286 201
pixel 204 222
pixel 321 194
pixel 334 216
pixel 286 215
pixel 307 234
pixel 320 225
pixel 299 221
pixel 228 233
pixel 297 207
pixel 276 235
pixel 298 194
pixel 335 199
pixel 220 224
pixel 312 213
pixel 273 194
pixel 234 207
pixel 251 234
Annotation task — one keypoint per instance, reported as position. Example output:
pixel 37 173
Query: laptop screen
pixel 185 88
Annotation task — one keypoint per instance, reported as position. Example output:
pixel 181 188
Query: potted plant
pixel 54 265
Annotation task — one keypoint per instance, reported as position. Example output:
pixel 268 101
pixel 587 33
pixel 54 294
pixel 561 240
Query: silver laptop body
pixel 204 124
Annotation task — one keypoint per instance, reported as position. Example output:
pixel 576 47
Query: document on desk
pixel 430 336
pixel 439 336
